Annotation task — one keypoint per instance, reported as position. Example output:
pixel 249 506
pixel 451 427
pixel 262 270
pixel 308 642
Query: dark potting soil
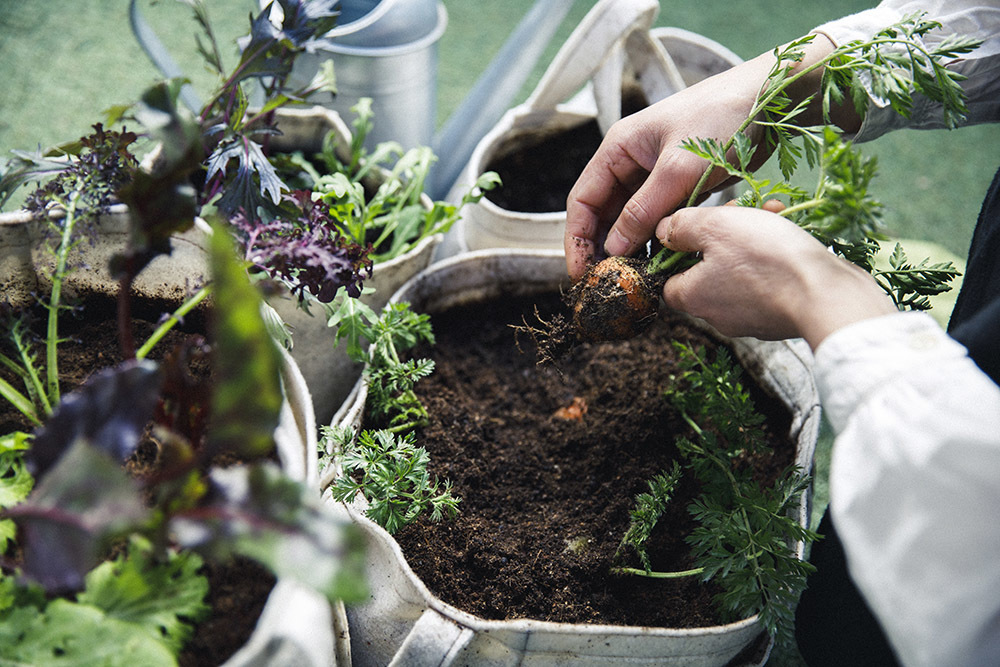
pixel 538 166
pixel 548 461
pixel 237 590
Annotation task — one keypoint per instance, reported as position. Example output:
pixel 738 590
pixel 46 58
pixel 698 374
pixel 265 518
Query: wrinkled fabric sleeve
pixel 915 485
pixel 980 20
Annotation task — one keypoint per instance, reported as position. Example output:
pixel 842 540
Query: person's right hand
pixel 640 173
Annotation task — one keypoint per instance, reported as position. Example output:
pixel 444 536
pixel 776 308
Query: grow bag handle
pixel 612 33
pixel 433 641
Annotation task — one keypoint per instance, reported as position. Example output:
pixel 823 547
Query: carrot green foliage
pixel 746 534
pixel 892 66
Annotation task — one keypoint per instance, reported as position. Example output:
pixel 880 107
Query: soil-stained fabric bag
pixel 612 64
pixel 404 623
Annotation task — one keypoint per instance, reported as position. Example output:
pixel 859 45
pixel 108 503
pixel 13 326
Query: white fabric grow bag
pixel 612 44
pixel 403 623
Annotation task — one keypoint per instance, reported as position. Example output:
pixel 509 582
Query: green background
pixel 63 61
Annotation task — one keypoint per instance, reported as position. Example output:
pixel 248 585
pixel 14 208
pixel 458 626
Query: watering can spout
pixel 494 92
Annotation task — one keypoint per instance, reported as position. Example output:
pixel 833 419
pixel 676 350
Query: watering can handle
pixel 604 27
pixel 433 641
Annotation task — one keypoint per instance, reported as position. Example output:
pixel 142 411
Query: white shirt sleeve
pixel 915 485
pixel 981 67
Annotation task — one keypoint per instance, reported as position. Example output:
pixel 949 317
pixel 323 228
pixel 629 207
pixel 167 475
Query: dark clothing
pixel 834 625
pixel 975 322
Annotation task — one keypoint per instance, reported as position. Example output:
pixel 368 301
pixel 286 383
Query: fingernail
pixel 663 230
pixel 616 244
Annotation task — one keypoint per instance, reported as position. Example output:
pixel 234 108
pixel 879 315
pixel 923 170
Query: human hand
pixel 641 173
pixel 761 275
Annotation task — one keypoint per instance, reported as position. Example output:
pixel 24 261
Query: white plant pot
pixel 26 266
pixel 403 623
pixel 691 57
pixel 295 622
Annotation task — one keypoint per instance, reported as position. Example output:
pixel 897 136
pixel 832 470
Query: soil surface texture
pixel 548 461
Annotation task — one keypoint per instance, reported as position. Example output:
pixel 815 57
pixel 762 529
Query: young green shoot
pixel 745 535
pixel 390 472
pixel 70 203
pixel 395 218
pixel 380 339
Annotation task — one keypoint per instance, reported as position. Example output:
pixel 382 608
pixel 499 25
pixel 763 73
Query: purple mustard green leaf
pixel 304 248
pixel 254 180
pixel 110 411
pixel 77 506
pixel 306 21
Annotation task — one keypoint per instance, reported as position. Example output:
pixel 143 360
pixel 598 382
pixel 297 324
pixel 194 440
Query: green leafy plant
pixel 894 65
pixel 390 472
pixel 384 465
pixel 394 219
pixel 649 507
pixel 380 339
pixel 746 534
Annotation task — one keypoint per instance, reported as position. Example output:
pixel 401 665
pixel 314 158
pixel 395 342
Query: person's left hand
pixel 761 275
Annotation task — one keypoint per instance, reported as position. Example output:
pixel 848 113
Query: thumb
pixel 685 230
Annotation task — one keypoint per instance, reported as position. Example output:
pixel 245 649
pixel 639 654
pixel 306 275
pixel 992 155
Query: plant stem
pixel 27 370
pixel 54 305
pixel 674 261
pixel 171 321
pixel 658 575
pixel 125 339
pixel 803 206
pixel 19 401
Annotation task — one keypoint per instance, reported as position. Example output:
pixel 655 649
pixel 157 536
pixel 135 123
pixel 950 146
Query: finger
pixel 666 188
pixel 677 289
pixel 684 230
pixel 599 193
pixel 773 205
